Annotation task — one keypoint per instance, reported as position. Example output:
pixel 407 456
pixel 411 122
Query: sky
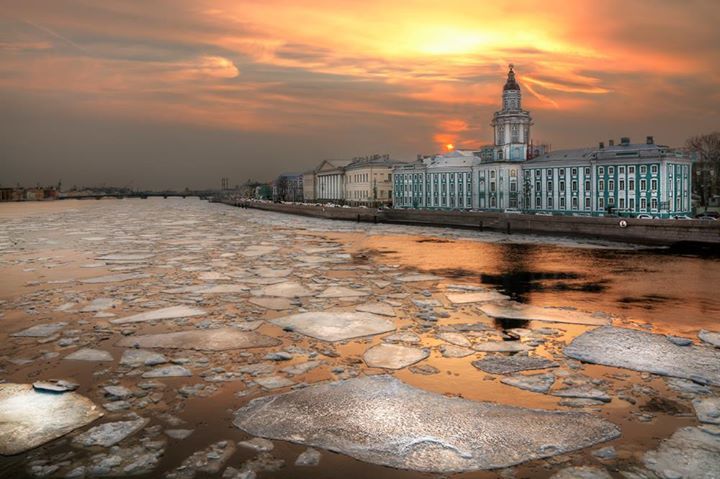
pixel 158 94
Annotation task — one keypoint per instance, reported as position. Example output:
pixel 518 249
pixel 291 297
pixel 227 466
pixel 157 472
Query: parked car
pixel 682 217
pixel 706 218
pixel 512 211
pixel 644 216
pixel 712 214
pixel 543 213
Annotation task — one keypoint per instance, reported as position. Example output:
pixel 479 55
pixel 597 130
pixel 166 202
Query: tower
pixel 511 124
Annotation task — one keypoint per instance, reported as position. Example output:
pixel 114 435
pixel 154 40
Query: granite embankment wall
pixel 657 232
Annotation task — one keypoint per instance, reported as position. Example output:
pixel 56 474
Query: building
pixel 288 187
pixel 368 180
pixel 330 180
pixel 308 181
pixel 624 179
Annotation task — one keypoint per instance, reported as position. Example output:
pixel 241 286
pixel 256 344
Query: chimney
pixel 650 140
pixel 601 145
pixel 625 141
pixel 611 142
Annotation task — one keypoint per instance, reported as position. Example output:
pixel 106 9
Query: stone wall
pixel 657 232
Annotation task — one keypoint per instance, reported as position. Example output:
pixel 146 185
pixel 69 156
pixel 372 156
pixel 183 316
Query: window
pixel 601 185
pixel 601 170
pixel 587 186
pixel 562 185
pixel 587 203
pixel 574 171
pixel 653 203
pixel 492 174
pixel 643 170
pixel 621 185
pixel 621 170
pixel 621 203
pixel 548 172
pixel 513 186
pixel 643 186
pixel 574 186
pixel 513 173
pixel 601 203
pixel 631 170
pixel 631 204
pixel 537 186
pixel 549 186
pixel 654 169
pixel 643 204
pixel 631 184
pixel 562 202
pixel 611 201
pixel 587 171
pixel 611 170
pixel 538 203
pixel 550 202
pixel 611 185
pixel 653 184
pixel 492 187
pixel 575 203
pixel 537 173
pixel 562 172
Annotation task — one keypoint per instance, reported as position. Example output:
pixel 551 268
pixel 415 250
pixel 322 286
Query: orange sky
pixel 253 88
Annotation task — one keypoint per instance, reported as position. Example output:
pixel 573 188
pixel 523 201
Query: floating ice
pixel 475 297
pixel 376 308
pixel 115 278
pixel 88 354
pixel 417 278
pixel 512 364
pixel 286 290
pixel 690 453
pixel 110 433
pixel 276 304
pixel 29 418
pixel 100 304
pixel 165 313
pixel 342 292
pixel 202 339
pixel 643 351
pixel 501 347
pixel 209 289
pixel 710 337
pixel 454 338
pixel 381 420
pixel 393 356
pixel 140 357
pixel 335 326
pixel 40 330
pixel 535 313
pixel 171 371
pixel 539 383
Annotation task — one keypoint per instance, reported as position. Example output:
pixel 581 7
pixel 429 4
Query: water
pixel 48 249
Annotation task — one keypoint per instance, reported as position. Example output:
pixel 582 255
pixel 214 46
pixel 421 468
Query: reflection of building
pixel 513 173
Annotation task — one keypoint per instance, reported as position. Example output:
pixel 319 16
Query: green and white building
pixel 626 179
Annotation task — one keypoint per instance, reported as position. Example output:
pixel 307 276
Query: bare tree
pixel 705 149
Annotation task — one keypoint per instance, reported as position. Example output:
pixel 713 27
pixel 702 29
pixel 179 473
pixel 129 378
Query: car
pixel 512 211
pixel 644 216
pixel 706 218
pixel 543 213
pixel 682 217
pixel 713 214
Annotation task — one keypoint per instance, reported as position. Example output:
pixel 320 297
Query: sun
pixel 450 147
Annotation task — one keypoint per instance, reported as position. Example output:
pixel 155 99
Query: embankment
pixel 629 230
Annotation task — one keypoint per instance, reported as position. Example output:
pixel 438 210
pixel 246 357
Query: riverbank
pixel 628 230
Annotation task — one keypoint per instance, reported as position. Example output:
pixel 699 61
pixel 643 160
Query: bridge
pixel 203 195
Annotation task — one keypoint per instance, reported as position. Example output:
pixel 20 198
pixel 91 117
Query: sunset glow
pixel 351 78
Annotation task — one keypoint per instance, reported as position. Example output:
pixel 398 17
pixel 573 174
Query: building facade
pixel 330 180
pixel 625 179
pixel 288 187
pixel 368 181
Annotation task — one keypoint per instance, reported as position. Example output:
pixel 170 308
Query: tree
pixel 705 151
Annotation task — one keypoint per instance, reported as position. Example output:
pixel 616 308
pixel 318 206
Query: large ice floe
pixel 29 418
pixel 648 352
pixel 525 312
pixel 220 339
pixel 382 420
pixel 171 312
pixel 335 326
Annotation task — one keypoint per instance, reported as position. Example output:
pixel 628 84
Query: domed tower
pixel 512 123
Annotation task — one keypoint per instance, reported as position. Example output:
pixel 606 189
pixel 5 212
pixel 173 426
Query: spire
pixel 511 84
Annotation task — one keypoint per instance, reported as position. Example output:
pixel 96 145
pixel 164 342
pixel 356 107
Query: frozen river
pixel 203 340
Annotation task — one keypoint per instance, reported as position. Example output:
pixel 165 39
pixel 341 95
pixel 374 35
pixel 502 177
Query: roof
pixel 511 84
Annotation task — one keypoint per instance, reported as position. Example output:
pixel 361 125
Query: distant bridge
pixel 203 195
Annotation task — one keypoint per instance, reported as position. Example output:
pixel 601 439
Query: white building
pixel 330 180
pixel 623 179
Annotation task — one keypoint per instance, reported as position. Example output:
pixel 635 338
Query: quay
pixel 656 232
